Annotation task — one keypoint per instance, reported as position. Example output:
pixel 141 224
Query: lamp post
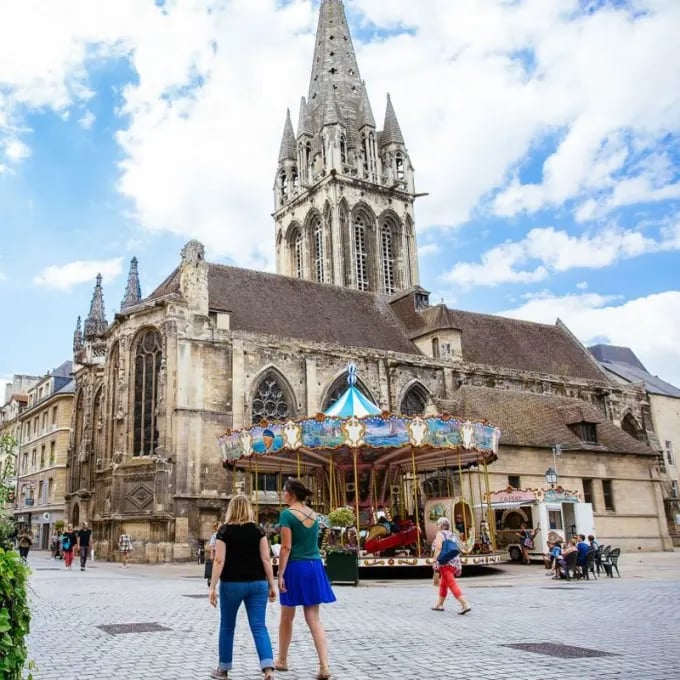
pixel 551 477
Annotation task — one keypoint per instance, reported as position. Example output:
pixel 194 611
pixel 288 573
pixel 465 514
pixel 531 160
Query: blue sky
pixel 547 136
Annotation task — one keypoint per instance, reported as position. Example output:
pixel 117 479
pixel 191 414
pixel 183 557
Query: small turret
pixel 78 337
pixel 96 323
pixel 287 178
pixel 396 163
pixel 133 291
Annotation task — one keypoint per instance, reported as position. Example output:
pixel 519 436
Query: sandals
pixel 465 611
pixel 280 665
pixel 269 674
pixel 220 673
pixel 324 673
pixel 437 609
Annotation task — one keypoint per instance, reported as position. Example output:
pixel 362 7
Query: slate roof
pixel 288 307
pixel 68 388
pixel 539 420
pixel 623 362
pixel 503 342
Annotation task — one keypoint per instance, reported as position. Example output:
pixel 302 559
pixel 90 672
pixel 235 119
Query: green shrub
pixel 15 615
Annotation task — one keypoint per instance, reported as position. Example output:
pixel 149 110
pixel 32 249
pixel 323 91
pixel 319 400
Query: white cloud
pixel 86 121
pixel 64 277
pixel 480 85
pixel 582 285
pixel 649 325
pixel 16 150
pixel 547 249
pixel 429 249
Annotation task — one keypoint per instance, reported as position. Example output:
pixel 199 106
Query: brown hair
pixel 296 488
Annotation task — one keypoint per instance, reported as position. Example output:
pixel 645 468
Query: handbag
pixel 528 543
pixel 448 551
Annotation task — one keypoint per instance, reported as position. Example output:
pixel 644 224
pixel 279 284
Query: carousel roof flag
pixel 352 402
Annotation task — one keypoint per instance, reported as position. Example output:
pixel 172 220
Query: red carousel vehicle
pixel 397 473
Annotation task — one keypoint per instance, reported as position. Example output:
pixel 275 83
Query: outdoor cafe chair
pixel 570 566
pixel 589 567
pixel 612 562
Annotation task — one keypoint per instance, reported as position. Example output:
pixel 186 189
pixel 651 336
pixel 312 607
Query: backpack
pixel 449 550
pixel 66 542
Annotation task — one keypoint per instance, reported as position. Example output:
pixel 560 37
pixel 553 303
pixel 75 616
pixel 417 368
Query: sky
pixel 546 135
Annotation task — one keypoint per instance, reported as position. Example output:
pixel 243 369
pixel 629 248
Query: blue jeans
pixel 254 594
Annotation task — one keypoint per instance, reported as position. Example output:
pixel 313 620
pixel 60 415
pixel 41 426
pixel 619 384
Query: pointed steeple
pixel 96 323
pixel 304 121
pixel 331 112
pixel 365 116
pixel 288 151
pixel 133 291
pixel 78 337
pixel 391 133
pixel 335 62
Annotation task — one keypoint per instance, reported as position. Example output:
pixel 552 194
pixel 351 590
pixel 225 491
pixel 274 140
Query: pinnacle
pixel 96 323
pixel 391 133
pixel 365 116
pixel 288 149
pixel 133 291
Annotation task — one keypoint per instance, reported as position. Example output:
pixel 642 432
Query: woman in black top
pixel 244 570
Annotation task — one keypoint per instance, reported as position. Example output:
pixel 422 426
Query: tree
pixel 8 454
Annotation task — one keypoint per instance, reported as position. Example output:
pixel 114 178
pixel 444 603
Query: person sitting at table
pixel 550 558
pixel 569 548
pixel 583 548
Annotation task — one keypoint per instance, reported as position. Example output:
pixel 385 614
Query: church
pixel 208 350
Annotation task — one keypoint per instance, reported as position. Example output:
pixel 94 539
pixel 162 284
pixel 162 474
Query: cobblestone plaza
pixel 155 622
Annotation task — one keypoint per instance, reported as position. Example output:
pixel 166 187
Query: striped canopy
pixel 353 403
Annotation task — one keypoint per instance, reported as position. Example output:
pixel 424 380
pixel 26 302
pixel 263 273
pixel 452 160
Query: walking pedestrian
pixel 25 541
pixel 246 577
pixel 125 548
pixel 84 543
pixel 447 570
pixel 54 546
pixel 527 537
pixel 302 578
pixel 69 539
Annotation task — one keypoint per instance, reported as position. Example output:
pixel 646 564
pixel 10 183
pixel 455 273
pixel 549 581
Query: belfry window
pixel 297 254
pixel 148 357
pixel 318 251
pixel 399 160
pixel 360 254
pixel 296 180
pixel 387 260
pixel 269 402
pixel 283 184
pixel 343 149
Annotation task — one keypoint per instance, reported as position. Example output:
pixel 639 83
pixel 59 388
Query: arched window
pixel 148 355
pixel 435 348
pixel 269 401
pixel 98 429
pixel 343 149
pixel 387 260
pixel 296 179
pixel 414 401
pixel 318 251
pixel 308 160
pixel 399 161
pixel 365 152
pixel 298 259
pixel 114 369
pixel 360 253
pixel 339 387
pixel 283 184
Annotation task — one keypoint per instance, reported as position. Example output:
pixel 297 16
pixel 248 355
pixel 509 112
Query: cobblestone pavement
pixel 381 629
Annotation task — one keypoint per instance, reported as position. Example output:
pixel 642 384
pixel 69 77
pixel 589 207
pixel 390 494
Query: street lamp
pixel 551 477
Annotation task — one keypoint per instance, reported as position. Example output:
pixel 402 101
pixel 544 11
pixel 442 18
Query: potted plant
pixel 342 561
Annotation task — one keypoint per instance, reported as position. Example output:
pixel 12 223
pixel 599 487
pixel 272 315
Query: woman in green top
pixel 302 578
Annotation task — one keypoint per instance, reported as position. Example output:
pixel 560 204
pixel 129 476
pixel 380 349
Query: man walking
pixel 25 543
pixel 84 542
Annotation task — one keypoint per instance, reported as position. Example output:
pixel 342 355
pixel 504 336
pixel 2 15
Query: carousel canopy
pixel 352 402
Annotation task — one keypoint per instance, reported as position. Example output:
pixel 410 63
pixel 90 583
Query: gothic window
pixel 148 355
pixel 98 432
pixel 435 348
pixel 308 159
pixel 114 368
pixel 365 153
pixel 270 402
pixel 399 159
pixel 360 253
pixel 387 260
pixel 296 180
pixel 318 251
pixel 414 401
pixel 339 387
pixel 343 149
pixel 297 254
pixel 283 183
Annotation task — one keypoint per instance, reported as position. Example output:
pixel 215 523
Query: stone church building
pixel 207 350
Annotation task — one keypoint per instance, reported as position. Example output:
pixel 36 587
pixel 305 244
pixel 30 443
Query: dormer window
pixel 586 432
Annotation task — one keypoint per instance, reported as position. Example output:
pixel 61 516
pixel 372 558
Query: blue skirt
pixel 306 584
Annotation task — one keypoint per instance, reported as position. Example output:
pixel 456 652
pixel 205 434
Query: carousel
pixel 397 474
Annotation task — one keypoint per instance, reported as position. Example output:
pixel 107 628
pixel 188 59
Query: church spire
pixel 304 124
pixel 335 63
pixel 391 131
pixel 288 150
pixel 96 323
pixel 133 291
